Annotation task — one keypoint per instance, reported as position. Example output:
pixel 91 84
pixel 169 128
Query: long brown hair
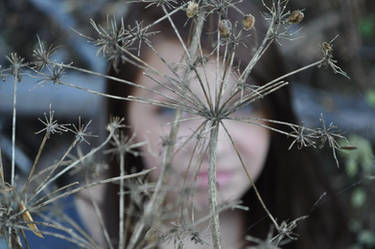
pixel 291 181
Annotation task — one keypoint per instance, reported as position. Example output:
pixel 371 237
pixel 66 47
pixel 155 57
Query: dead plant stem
pixel 36 160
pixel 121 244
pixel 13 166
pixel 214 221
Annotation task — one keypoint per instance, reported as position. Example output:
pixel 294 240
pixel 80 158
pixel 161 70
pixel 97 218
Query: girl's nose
pixel 200 140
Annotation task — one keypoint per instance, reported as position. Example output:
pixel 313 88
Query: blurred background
pixel 350 104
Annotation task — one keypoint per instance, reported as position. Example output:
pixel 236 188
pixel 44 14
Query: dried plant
pixel 120 43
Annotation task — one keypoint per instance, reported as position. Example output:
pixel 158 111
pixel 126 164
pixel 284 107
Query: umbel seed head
pixel 192 9
pixel 248 22
pixel 225 28
pixel 296 17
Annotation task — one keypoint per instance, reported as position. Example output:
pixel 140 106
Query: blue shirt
pixel 51 242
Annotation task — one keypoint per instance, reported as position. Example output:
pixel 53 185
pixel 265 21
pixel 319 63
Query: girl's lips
pixel 222 178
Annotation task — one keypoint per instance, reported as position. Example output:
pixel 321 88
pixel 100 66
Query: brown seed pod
pixel 248 22
pixel 192 9
pixel 225 28
pixel 296 16
pixel 327 48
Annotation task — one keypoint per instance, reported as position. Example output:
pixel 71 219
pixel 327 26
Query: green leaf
pixel 370 97
pixel 367 27
pixel 367 237
pixel 358 198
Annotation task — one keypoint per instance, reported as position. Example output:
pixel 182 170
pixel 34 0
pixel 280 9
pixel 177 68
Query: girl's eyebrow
pixel 163 95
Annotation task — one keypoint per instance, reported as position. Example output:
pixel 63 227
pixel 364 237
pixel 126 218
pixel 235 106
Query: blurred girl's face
pixel 150 123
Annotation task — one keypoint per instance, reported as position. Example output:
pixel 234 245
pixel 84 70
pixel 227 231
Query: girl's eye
pixel 168 114
pixel 247 110
pixel 165 112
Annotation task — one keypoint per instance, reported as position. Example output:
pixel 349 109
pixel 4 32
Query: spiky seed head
pixel 296 16
pixel 248 22
pixel 225 28
pixel 192 9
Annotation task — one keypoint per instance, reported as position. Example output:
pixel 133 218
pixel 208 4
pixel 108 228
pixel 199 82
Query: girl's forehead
pixel 170 50
pixel 164 54
pixel 168 59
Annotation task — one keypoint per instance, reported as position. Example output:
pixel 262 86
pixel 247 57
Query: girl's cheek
pixel 252 140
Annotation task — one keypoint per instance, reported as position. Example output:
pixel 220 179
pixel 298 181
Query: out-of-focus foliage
pixel 359 167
